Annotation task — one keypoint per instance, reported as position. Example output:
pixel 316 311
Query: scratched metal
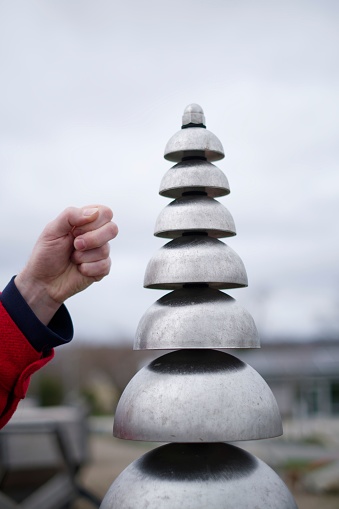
pixel 195 259
pixel 197 396
pixel 196 318
pixel 194 213
pixel 194 142
pixel 198 476
pixel 191 176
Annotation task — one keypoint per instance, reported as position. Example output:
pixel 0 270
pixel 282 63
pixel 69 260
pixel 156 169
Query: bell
pixel 194 176
pixel 195 259
pixel 197 396
pixel 194 213
pixel 196 318
pixel 198 476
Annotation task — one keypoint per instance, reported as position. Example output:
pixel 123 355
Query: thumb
pixel 70 218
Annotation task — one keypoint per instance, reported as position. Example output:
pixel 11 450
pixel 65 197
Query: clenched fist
pixel 71 253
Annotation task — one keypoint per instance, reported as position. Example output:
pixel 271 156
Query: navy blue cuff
pixel 58 332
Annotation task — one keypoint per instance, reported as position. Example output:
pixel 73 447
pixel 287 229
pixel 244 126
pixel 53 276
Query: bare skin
pixel 71 253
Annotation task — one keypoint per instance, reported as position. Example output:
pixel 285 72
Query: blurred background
pixel 90 93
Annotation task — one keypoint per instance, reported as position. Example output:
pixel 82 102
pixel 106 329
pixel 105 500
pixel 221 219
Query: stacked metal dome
pixel 196 398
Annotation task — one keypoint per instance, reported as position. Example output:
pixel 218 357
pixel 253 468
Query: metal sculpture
pixel 196 398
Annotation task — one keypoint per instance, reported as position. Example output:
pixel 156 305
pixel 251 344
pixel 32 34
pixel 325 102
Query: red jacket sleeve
pixel 18 361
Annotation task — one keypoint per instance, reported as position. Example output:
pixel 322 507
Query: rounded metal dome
pixel 194 142
pixel 198 476
pixel 196 318
pixel 197 396
pixel 194 175
pixel 195 259
pixel 194 213
pixel 193 114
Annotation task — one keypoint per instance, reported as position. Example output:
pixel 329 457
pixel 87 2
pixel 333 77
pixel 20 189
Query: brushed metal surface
pixel 196 318
pixel 194 213
pixel 194 175
pixel 197 396
pixel 195 259
pixel 198 476
pixel 194 142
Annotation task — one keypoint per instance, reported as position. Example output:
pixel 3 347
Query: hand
pixel 71 253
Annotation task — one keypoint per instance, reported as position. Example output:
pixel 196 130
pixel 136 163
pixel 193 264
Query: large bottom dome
pixel 198 476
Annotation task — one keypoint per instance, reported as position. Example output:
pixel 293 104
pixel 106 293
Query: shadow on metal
pixel 198 476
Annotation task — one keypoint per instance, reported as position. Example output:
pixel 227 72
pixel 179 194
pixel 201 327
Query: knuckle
pixel 113 230
pixel 105 250
pixel 106 213
pixel 106 267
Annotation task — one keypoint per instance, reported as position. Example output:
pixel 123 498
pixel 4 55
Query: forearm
pixel 37 297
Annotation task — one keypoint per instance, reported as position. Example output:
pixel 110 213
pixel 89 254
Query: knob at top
pixel 194 140
pixel 193 114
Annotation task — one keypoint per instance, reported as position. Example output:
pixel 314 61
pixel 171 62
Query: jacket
pixel 26 345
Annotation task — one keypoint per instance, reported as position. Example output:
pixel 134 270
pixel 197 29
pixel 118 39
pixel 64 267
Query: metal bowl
pixel 194 213
pixel 197 396
pixel 194 142
pixel 195 259
pixel 190 176
pixel 198 476
pixel 196 318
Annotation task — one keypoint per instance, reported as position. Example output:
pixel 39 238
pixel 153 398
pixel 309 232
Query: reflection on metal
pixel 194 213
pixel 184 319
pixel 196 397
pixel 194 142
pixel 194 176
pixel 195 259
pixel 198 476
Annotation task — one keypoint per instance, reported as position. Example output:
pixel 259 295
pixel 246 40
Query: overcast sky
pixel 90 93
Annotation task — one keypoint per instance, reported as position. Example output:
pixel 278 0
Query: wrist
pixel 37 297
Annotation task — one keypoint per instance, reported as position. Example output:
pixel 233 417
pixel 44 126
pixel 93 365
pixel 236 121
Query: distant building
pixel 304 377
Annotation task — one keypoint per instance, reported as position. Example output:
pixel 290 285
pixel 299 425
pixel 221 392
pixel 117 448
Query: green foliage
pixel 50 391
pixel 314 440
pixel 94 405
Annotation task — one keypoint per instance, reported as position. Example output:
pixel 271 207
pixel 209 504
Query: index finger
pixel 70 219
pixel 104 216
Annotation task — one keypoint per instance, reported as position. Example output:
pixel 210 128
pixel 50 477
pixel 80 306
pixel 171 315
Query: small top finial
pixel 193 116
